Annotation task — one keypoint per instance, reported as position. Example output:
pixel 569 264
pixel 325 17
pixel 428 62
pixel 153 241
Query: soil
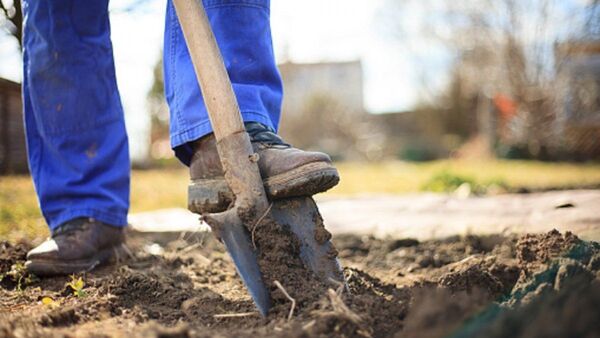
pixel 185 285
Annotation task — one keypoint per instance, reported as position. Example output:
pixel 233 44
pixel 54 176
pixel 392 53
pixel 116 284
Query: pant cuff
pixel 181 142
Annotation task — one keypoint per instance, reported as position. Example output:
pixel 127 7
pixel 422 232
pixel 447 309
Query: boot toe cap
pixel 47 250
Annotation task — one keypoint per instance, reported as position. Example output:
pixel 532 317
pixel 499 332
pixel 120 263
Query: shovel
pixel 239 161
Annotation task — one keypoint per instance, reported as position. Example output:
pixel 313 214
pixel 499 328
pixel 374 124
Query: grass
pixel 19 214
pixel 166 188
pixel 150 189
pixel 405 177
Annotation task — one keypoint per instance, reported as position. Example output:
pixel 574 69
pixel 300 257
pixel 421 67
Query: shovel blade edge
pixel 239 247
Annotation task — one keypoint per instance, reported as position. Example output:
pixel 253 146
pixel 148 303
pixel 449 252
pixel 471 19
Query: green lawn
pixel 154 189
pixel 403 177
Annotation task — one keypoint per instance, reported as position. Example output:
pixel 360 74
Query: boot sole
pixel 47 267
pixel 214 195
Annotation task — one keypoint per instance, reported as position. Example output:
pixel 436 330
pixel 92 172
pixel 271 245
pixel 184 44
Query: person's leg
pixel 243 32
pixel 78 150
pixel 76 138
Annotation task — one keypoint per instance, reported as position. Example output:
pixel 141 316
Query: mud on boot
pixel 285 170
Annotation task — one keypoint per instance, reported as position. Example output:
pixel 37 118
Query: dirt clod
pixel 533 250
pixel 473 277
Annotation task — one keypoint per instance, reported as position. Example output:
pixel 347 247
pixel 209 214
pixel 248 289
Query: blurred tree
pixel 323 110
pixel 11 15
pixel 592 25
pixel 327 124
pixel 159 115
pixel 11 18
pixel 504 47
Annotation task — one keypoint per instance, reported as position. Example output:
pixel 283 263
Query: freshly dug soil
pixel 184 285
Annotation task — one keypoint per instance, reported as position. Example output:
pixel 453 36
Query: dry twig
pixel 127 251
pixel 339 307
pixel 235 315
pixel 260 219
pixel 309 325
pixel 340 286
pixel 191 247
pixel 288 297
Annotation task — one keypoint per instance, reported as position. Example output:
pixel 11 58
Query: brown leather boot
pixel 78 245
pixel 286 171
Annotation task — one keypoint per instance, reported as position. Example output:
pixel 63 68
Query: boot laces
pixel 259 133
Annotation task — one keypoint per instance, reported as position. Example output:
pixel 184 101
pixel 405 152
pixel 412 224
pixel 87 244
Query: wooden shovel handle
pixel 233 143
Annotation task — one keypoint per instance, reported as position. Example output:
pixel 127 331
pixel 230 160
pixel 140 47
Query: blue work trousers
pixel 76 137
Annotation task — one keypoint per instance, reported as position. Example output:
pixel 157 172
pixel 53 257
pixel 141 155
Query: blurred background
pixel 406 95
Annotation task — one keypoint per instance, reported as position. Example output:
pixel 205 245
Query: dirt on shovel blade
pixel 538 285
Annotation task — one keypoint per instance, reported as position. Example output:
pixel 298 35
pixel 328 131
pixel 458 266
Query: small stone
pixel 425 261
pixel 402 243
pixel 412 268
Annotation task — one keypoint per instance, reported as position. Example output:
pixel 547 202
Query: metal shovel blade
pixel 239 246
pixel 301 216
pixel 317 252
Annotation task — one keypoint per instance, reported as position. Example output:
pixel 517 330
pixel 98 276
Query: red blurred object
pixel 507 108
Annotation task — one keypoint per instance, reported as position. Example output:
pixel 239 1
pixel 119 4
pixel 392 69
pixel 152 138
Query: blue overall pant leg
pixel 77 144
pixel 75 130
pixel 243 33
